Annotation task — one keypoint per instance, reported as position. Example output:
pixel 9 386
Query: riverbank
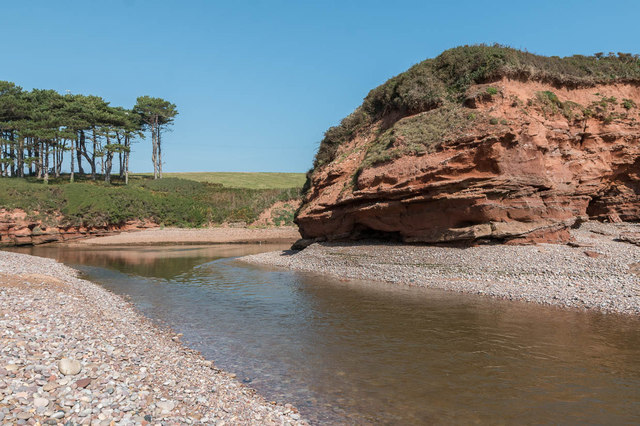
pixel 600 270
pixel 131 372
pixel 218 235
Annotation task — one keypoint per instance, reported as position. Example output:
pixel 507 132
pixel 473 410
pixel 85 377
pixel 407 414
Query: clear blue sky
pixel 258 82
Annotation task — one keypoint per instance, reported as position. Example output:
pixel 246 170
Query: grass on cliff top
pixel 248 180
pixel 169 201
pixel 420 133
pixel 445 79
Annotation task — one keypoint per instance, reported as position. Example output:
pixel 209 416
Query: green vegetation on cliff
pixel 439 86
pixel 169 201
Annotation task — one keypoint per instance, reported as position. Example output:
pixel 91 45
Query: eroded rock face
pixel 17 228
pixel 526 175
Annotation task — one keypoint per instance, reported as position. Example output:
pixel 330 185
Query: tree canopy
pixel 39 127
pixel 156 114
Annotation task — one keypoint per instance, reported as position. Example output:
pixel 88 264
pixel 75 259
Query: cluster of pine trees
pixel 38 128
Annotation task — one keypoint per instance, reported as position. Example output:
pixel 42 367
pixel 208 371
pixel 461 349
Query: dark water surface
pixel 360 352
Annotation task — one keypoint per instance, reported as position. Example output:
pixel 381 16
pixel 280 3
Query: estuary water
pixel 361 352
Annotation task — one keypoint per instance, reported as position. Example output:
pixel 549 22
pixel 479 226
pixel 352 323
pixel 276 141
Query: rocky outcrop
pixel 18 228
pixel 532 160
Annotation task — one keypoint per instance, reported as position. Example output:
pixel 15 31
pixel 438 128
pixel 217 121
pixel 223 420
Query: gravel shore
pixel 599 270
pixel 130 371
pixel 220 235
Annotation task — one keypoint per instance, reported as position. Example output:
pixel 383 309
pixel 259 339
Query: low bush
pixel 420 133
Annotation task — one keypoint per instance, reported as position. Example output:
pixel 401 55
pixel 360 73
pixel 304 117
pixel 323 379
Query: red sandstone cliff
pixel 17 228
pixel 536 159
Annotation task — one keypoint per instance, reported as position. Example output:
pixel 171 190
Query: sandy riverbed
pixel 600 271
pixel 220 235
pixel 132 372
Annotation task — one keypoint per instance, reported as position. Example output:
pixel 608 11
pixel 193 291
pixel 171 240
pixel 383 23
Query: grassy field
pixel 169 201
pixel 244 179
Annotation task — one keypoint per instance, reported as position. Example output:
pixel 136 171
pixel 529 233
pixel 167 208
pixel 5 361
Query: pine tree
pixel 156 114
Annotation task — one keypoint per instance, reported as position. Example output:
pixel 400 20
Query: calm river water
pixel 361 352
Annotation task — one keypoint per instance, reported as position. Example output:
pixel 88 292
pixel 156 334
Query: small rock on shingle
pixel 69 367
pixel 40 402
pixel 166 406
pixel 83 383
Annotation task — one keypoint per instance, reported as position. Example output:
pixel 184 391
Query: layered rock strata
pixel 535 160
pixel 18 228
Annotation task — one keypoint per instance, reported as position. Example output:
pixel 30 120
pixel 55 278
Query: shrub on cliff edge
pixel 444 80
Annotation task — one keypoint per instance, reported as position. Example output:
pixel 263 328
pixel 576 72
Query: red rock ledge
pixel 18 228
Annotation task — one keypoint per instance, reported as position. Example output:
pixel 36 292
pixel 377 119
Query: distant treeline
pixel 39 127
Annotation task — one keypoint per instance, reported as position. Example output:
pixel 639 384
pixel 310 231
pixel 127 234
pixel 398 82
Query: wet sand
pixel 218 235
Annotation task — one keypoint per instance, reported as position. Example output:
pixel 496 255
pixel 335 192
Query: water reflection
pixel 165 261
pixel 361 352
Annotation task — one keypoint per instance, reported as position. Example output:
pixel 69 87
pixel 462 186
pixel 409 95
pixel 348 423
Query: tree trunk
pixel 60 146
pixel 87 157
pixel 39 162
pixel 62 150
pixel 155 152
pixel 79 145
pixel 20 156
pixel 93 155
pixel 2 156
pixel 54 155
pixel 30 155
pixel 126 160
pixel 13 153
pixel 74 147
pixel 46 162
pixel 159 156
pixel 107 171
pixel 120 157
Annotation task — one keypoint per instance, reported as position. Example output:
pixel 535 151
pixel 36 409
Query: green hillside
pixel 169 201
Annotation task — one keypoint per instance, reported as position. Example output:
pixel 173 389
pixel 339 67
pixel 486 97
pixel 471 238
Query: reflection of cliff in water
pixel 411 309
pixel 165 262
pixel 497 337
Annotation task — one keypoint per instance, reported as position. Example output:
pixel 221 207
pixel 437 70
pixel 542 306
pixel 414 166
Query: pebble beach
pixel 598 270
pixel 73 353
